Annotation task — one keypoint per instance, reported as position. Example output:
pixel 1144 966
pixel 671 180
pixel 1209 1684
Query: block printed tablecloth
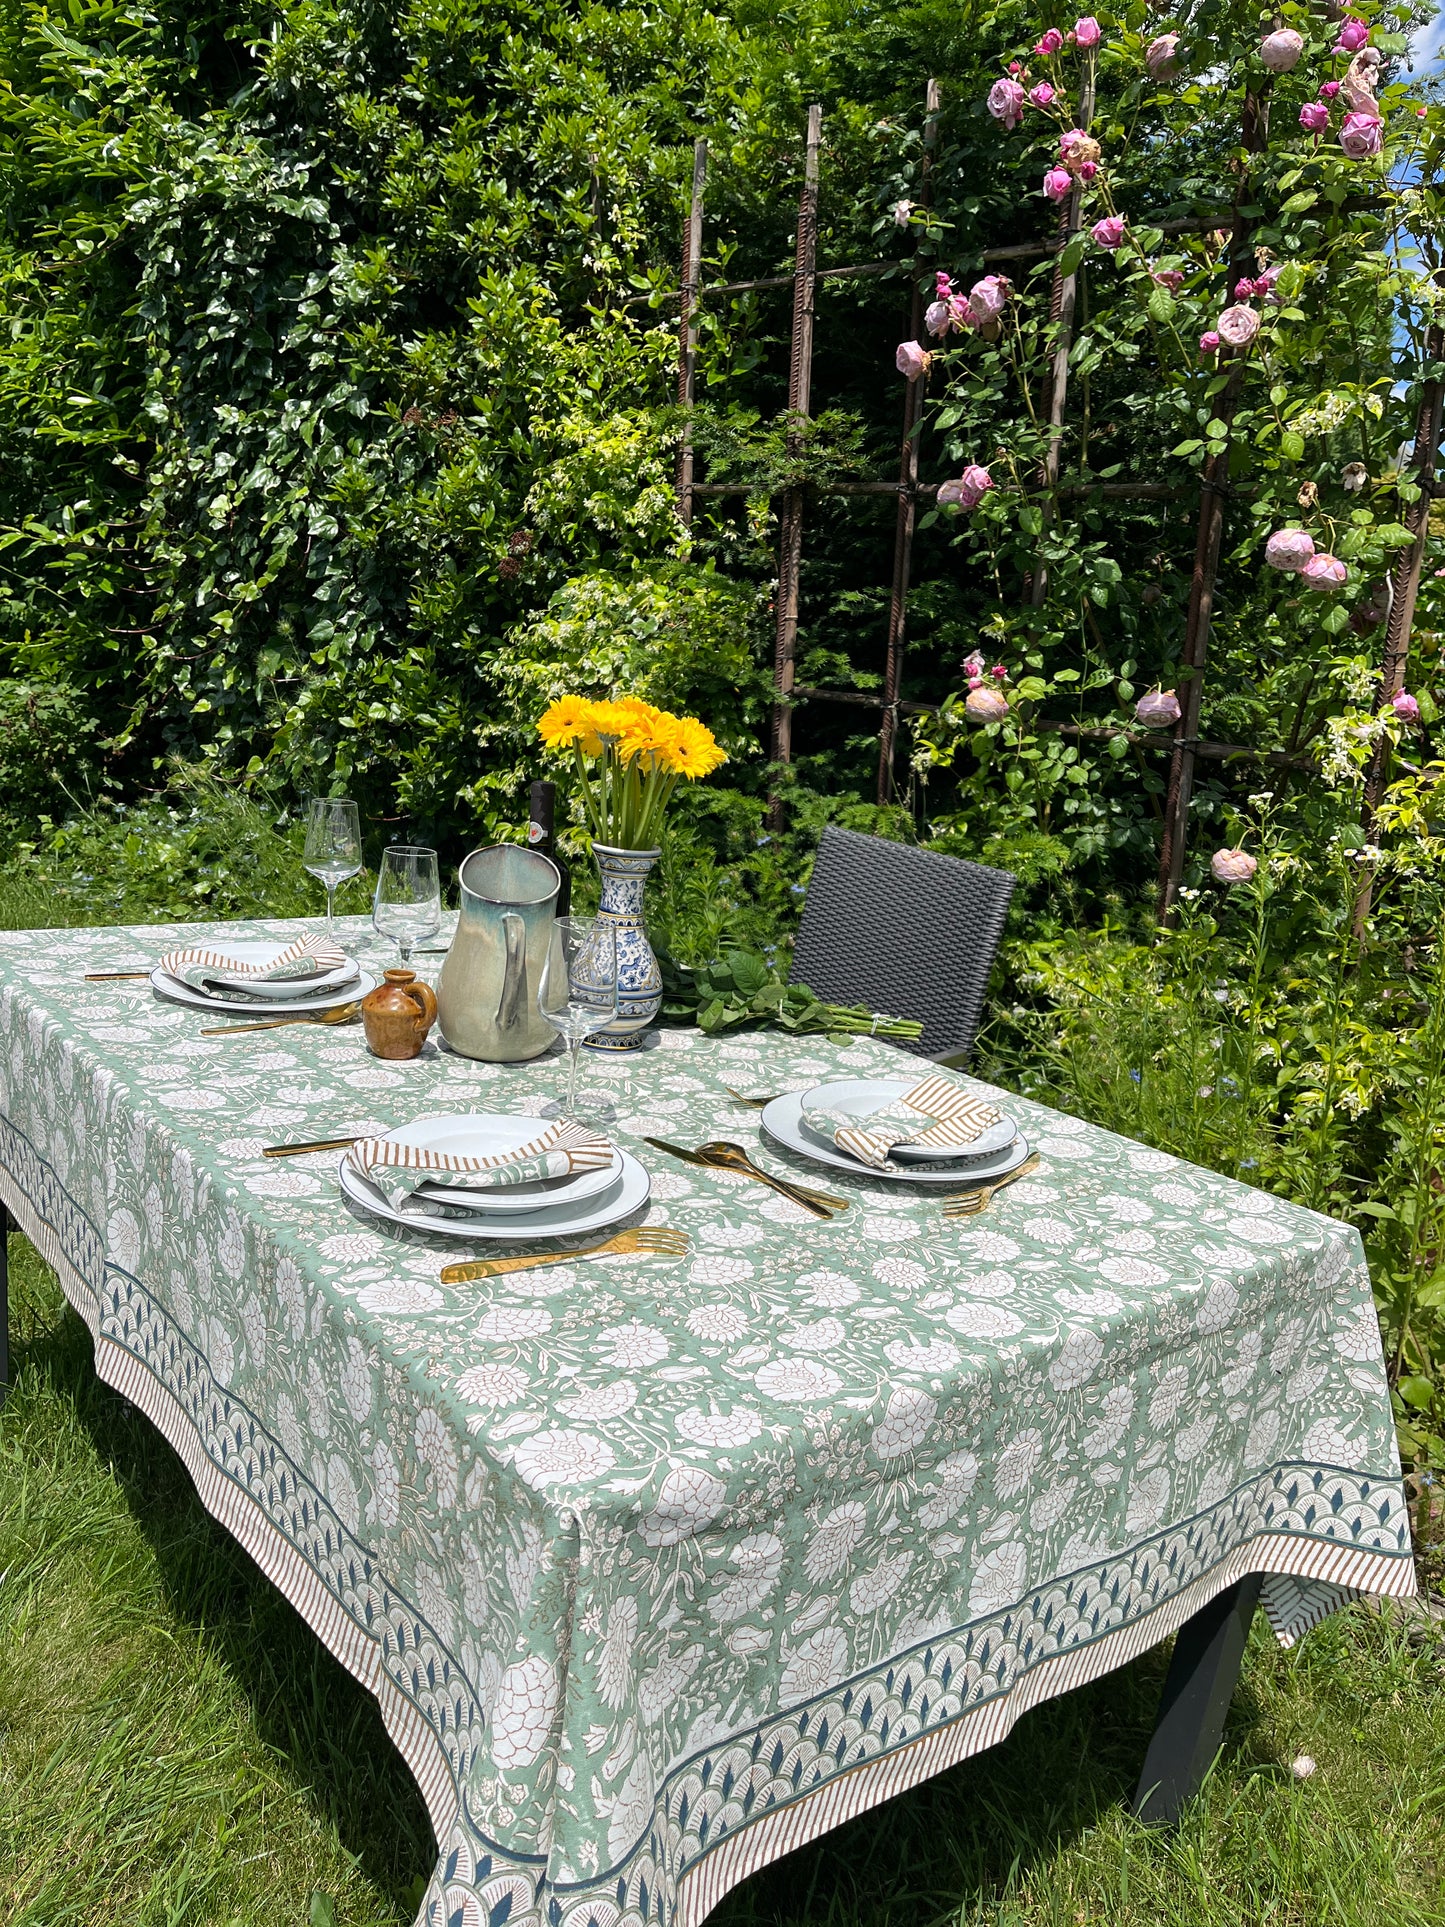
pixel 659 1568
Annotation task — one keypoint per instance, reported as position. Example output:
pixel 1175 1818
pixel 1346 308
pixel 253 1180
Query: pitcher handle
pixel 513 1001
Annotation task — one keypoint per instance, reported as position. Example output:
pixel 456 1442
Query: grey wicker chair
pixel 902 930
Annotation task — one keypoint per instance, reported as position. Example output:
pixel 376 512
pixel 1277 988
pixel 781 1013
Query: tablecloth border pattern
pixel 1326 1573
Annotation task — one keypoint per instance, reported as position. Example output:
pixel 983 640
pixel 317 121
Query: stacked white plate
pixel 993 1154
pixel 321 990
pixel 546 1208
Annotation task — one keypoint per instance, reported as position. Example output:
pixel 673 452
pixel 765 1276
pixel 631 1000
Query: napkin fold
pixel 309 956
pixel 933 1113
pixel 400 1171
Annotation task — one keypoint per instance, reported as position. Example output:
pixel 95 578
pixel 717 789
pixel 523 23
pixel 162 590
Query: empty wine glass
pixel 408 902
pixel 578 996
pixel 333 846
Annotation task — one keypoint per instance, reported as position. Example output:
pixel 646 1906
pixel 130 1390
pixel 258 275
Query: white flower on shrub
pixel 906 1423
pixel 875 1588
pixel 614 1659
pixel 1221 1301
pixel 984 1321
pixel 956 1477
pixel 901 1274
pixel 559 1454
pixel 689 1498
pixel 522 1717
pixel 833 1540
pixel 600 1402
pixel 719 1322
pixel 929 1358
pixel 435 1450
pixel 1015 1464
pixel 632 1347
pixel 823 1335
pixel 830 1290
pixel 757 1561
pixel 797 1381
pixel 492 1383
pixel 1079 1358
pixel 816 1666
pixel 1113 1422
pixel 512 1321
pixel 662 1685
pixel 720 1272
pixel 399 1295
pixel 718 1428
pixel 999 1580
pixel 341 1488
pixel 1147 1501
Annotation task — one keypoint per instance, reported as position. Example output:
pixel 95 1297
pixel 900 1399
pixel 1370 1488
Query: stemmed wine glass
pixel 408 902
pixel 578 996
pixel 333 846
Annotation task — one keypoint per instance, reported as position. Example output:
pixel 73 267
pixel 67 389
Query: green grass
pixel 177 1749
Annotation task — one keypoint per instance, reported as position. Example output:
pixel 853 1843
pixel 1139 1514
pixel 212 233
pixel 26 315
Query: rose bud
pixel 1233 866
pixel 1159 709
pixel 1289 549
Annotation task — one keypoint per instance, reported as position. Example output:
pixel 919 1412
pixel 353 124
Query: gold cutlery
pixel 113 976
pixel 972 1202
pixel 658 1240
pixel 753 1103
pixel 342 1014
pixel 300 1150
pixel 723 1156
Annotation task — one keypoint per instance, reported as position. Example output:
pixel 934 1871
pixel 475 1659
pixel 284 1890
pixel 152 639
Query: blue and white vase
pixel 639 981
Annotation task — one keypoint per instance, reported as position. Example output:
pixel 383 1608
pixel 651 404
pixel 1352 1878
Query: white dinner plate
pixel 284 990
pixel 484 1134
pixel 783 1121
pixel 626 1195
pixel 175 992
pixel 858 1096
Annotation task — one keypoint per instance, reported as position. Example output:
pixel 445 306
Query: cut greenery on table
pixel 741 987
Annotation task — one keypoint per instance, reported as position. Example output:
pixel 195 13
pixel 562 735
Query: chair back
pixel 902 930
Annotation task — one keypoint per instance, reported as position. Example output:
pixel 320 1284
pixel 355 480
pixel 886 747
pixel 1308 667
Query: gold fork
pixel 972 1202
pixel 340 1014
pixel 650 1240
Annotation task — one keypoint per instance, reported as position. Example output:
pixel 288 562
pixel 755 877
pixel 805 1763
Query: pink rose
pixel 942 285
pixel 1006 102
pixel 1243 288
pixel 1354 34
pixel 1041 95
pixel 1289 549
pixel 1405 707
pixel 1161 56
pixel 1314 117
pixel 1325 573
pixel 1051 42
pixel 1058 184
pixel 1087 171
pixel 986 706
pixel 1209 342
pixel 1233 866
pixel 1362 136
pixel 1170 278
pixel 1265 287
pixel 937 318
pixel 1109 233
pixel 912 360
pixel 986 298
pixel 1086 31
pixel 973 665
pixel 974 483
pixel 1238 326
pixel 1159 709
pixel 1329 90
pixel 999 673
pixel 1280 50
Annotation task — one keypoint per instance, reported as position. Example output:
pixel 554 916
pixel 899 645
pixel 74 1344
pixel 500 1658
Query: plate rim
pixel 915 1153
pixel 488 1231
pixel 836 1161
pixel 608 1175
pixel 175 992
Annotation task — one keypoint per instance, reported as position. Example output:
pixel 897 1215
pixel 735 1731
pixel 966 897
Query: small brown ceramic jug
pixel 398 1014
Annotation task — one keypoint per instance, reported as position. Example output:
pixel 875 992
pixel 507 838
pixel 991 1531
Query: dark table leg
pixel 1200 1684
pixel 4 1302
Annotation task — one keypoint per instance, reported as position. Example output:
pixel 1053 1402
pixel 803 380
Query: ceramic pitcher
pixel 487 993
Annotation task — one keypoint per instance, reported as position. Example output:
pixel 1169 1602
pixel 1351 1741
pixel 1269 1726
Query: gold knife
pixel 300 1150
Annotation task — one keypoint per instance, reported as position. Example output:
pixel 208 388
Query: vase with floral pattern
pixel 639 981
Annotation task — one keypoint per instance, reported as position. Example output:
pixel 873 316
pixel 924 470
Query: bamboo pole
pixel 913 394
pixel 687 329
pixel 1214 488
pixel 790 531
pixel 1063 302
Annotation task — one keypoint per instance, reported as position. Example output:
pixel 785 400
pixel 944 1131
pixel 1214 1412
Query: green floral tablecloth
pixel 658 1568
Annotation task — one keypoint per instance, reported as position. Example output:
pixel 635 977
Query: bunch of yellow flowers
pixel 630 757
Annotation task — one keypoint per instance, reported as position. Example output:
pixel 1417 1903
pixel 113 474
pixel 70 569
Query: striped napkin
pixel 402 1171
pixel 934 1112
pixel 201 968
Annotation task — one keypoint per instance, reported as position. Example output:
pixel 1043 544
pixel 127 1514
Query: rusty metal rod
pixel 687 328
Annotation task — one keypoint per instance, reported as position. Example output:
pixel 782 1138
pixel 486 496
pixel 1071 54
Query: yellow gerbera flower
pixel 695 750
pixel 567 721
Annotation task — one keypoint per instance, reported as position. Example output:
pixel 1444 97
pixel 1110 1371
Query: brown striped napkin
pixel 402 1171
pixel 309 956
pixel 934 1113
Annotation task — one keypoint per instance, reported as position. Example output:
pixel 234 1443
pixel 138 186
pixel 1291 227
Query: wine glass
pixel 578 996
pixel 333 846
pixel 408 902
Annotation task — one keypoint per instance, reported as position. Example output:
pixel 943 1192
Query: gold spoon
pixel 342 1014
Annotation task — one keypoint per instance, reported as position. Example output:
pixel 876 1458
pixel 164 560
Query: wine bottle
pixel 541 835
